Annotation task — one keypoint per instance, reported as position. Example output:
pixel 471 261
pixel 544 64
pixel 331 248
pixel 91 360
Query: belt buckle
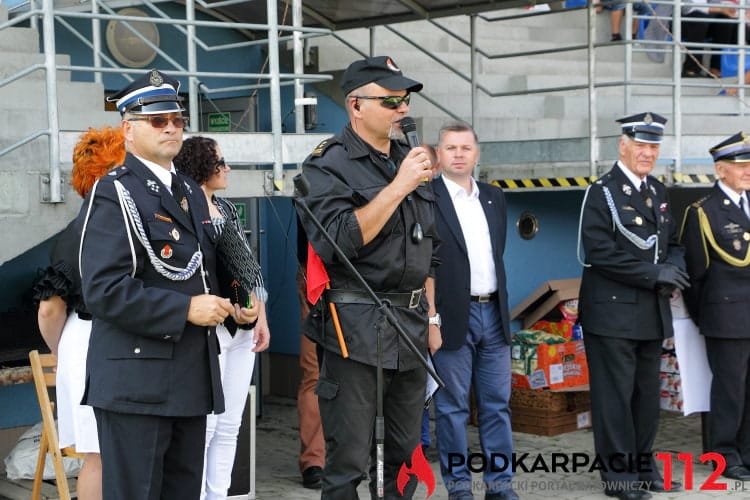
pixel 483 299
pixel 414 299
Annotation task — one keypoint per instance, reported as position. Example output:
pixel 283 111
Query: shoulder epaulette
pixel 700 202
pixel 604 178
pixel 324 144
pixel 118 172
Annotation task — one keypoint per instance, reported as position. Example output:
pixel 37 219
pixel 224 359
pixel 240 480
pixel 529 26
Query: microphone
pixel 301 185
pixel 409 128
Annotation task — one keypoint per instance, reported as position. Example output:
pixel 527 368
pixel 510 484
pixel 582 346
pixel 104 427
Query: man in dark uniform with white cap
pixel 147 265
pixel 717 251
pixel 371 193
pixel 633 263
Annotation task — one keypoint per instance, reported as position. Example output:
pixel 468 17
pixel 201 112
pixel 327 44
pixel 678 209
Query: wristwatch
pixel 435 320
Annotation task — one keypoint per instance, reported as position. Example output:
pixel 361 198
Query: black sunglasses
pixel 388 101
pixel 220 163
pixel 163 121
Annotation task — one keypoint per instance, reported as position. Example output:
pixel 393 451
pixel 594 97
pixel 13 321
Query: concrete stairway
pixel 540 117
pixel 24 219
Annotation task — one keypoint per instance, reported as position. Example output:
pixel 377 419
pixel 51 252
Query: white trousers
pixel 76 424
pixel 237 361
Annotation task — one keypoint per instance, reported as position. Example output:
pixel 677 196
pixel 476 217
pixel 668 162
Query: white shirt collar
pixel 731 193
pixel 455 190
pixel 631 176
pixel 164 175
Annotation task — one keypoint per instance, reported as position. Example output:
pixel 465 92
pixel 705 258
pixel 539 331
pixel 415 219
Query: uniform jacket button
pixel 137 350
pixel 614 297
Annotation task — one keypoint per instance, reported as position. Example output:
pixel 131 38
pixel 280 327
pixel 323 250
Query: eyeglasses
pixel 162 121
pixel 220 164
pixel 387 101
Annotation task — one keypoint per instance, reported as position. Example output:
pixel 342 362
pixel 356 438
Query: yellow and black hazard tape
pixel 694 178
pixel 572 182
pixel 544 182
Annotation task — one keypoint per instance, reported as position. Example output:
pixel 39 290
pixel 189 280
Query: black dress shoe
pixel 739 472
pixel 628 494
pixel 311 477
pixel 657 485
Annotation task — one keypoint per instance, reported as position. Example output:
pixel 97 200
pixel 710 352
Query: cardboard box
pixel 544 302
pixel 564 364
pixel 549 413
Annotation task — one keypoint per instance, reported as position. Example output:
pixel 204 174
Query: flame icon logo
pixel 420 468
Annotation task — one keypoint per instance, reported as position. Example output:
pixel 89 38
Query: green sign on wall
pixel 219 122
pixel 242 212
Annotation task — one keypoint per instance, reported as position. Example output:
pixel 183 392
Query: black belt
pixel 398 299
pixel 482 299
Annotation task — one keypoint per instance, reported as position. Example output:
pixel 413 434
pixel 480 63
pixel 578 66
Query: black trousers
pixel 347 399
pixel 624 383
pixel 729 424
pixel 146 457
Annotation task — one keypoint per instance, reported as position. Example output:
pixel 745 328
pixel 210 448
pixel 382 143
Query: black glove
pixel 672 277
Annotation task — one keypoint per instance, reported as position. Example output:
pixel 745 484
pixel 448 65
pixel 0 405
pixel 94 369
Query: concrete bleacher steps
pixel 560 118
pixel 23 112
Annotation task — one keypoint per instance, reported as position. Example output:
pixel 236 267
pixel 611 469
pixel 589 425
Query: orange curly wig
pixel 96 152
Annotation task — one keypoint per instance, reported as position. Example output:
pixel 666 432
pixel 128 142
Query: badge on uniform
pixel 638 220
pixel 184 204
pixel 152 185
pixel 627 189
pixel 663 207
pixel 166 252
pixel 726 202
pixel 175 234
pixel 746 236
pixel 737 245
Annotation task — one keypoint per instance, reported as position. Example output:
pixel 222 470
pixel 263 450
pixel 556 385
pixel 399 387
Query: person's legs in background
pixel 426 428
pixel 312 444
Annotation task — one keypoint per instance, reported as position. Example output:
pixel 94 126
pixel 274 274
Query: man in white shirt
pixel 471 299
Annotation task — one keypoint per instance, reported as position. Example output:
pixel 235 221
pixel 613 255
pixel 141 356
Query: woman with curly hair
pixel 201 159
pixel 63 319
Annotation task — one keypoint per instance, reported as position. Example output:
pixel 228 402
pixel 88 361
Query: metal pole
pixel 741 40
pixel 677 92
pixel 593 132
pixel 33 22
pixel 48 26
pixel 192 65
pixel 299 68
pixel 372 41
pixel 275 94
pixel 473 60
pixel 628 55
pixel 96 39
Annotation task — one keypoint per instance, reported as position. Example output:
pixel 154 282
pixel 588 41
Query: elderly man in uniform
pixel 147 266
pixel 717 250
pixel 633 263
pixel 371 194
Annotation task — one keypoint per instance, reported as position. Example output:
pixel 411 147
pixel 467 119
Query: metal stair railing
pixel 676 48
pixel 186 27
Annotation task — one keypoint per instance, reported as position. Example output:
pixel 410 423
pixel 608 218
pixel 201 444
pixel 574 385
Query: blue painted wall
pixel 552 253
